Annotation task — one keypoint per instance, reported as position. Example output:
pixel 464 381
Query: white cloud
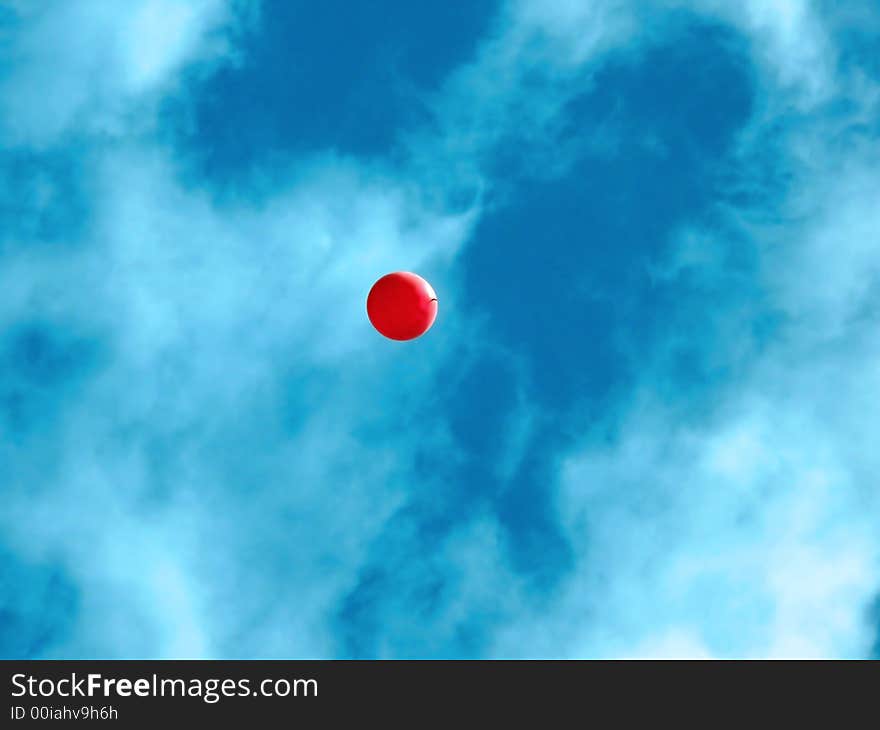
pixel 751 528
pixel 210 319
pixel 752 531
pixel 96 65
pixel 790 40
pixel 206 312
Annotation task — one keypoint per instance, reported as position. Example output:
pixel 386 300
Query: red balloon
pixel 402 306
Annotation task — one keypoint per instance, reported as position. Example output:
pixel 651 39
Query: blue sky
pixel 644 424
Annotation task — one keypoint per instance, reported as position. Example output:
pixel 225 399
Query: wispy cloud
pixel 746 525
pixel 204 454
pixel 189 388
pixel 98 67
